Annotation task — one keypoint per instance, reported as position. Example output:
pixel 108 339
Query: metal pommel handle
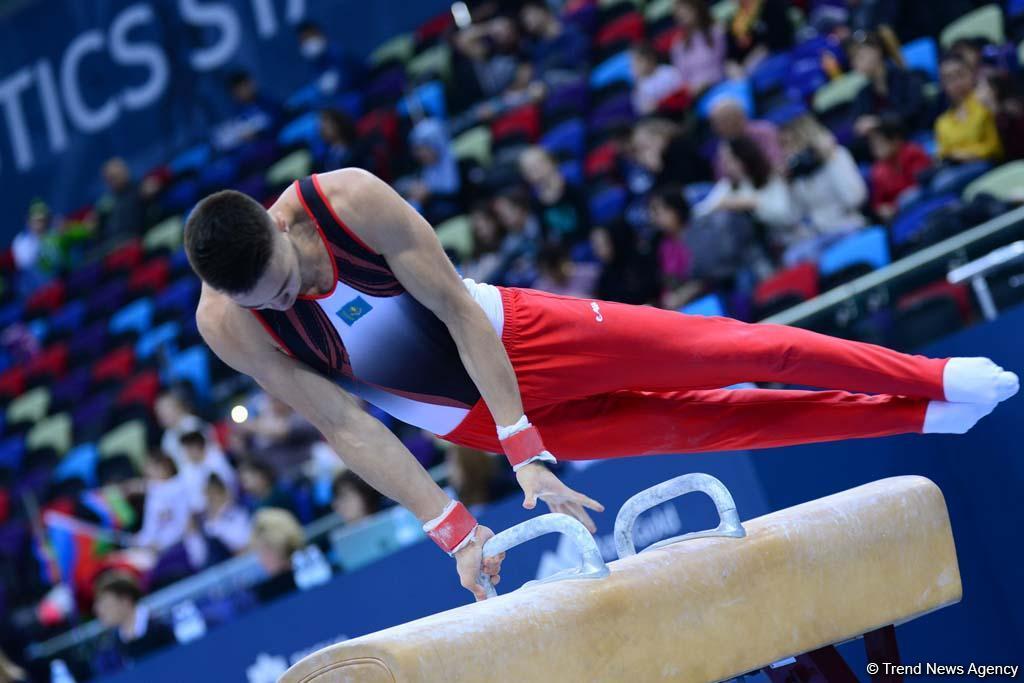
pixel 728 524
pixel 591 565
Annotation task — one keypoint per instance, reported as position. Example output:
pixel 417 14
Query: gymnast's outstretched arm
pixel 367 446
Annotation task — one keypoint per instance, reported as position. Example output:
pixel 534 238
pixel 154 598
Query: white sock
pixel 953 418
pixel 977 380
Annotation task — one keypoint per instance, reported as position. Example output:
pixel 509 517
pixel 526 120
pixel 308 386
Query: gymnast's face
pixel 281 282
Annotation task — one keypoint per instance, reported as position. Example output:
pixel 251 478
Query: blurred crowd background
pixel 729 158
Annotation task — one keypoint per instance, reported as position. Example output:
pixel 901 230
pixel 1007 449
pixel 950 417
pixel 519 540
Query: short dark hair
pixel 890 126
pixel 193 439
pixel 228 239
pixel 120 584
pixel 217 482
pixel 672 196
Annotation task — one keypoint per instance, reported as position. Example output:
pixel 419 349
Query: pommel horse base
pixel 699 608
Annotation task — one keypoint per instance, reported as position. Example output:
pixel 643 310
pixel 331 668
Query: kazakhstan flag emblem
pixel 354 310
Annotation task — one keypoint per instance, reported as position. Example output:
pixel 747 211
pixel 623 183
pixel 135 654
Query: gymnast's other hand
pixel 468 563
pixel 537 481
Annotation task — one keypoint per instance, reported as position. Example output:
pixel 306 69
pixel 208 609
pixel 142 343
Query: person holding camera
pixel 826 186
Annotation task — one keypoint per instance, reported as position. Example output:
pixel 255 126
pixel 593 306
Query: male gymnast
pixel 341 288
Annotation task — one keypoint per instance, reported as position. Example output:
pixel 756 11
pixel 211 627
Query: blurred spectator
pixel 711 251
pixel 629 271
pixel 652 81
pixel 897 165
pixel 225 521
pixel 966 132
pixel 757 29
pixel 558 274
pixel 670 213
pixel 826 186
pixel 253 113
pixel 117 607
pixel 334 70
pixel 165 515
pixel 338 142
pixel 352 498
pixel 485 262
pixel 174 415
pixel 749 184
pixel 891 89
pixel 552 45
pixel 435 191
pixel 699 51
pixel 729 121
pixel 561 207
pixel 966 135
pixel 277 435
pixel 276 536
pixel 664 154
pixel 260 487
pixel 473 475
pixel 35 255
pixel 200 461
pixel 1001 95
pixel 484 60
pixel 522 236
pixel 122 209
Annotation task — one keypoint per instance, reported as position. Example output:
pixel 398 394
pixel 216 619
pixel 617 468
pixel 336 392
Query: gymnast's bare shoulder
pixel 232 332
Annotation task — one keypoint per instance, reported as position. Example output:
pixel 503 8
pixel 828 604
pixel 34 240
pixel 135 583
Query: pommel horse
pixel 775 594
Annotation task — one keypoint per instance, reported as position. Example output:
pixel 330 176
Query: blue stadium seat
pixel 304 129
pixel 12 451
pixel 909 221
pixel 219 174
pixel 135 316
pixel 190 160
pixel 1014 8
pixel 426 99
pixel 11 313
pixel 160 336
pixel 923 55
pixel 607 205
pixel 771 72
pixel 615 69
pixel 349 102
pixel 567 138
pixel 572 171
pixel 39 327
pixel 710 304
pixel 305 98
pixel 68 317
pixel 79 462
pixel 182 196
pixel 191 365
pixel 868 246
pixel 738 90
pixel 180 296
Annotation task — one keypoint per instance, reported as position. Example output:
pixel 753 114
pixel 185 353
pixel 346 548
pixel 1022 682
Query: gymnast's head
pixel 259 259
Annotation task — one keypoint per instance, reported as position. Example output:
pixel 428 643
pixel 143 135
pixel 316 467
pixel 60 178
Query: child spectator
pixel 560 275
pixel 165 515
pixel 897 165
pixel 629 269
pixel 117 607
pixel 276 536
pixel 652 81
pixel 225 521
pixel 259 486
pixel 201 461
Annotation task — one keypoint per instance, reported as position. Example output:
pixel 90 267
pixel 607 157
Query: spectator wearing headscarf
pixel 436 188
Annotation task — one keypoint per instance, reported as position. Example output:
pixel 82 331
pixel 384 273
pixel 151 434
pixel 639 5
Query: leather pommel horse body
pixel 707 608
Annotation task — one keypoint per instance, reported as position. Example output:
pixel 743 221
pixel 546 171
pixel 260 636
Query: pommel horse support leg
pixel 704 607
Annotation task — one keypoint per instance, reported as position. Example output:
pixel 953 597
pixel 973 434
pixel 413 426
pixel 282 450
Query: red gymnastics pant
pixel 602 379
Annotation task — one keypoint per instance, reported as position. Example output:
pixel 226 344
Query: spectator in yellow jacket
pixel 966 132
